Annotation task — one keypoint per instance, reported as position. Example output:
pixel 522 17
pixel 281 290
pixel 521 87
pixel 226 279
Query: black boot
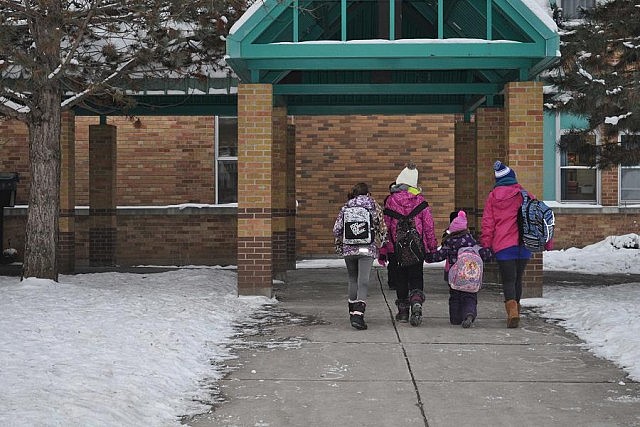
pixel 351 304
pixel 466 323
pixel 403 311
pixel 416 298
pixel 357 318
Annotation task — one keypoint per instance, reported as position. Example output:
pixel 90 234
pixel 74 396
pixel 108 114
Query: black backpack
pixel 408 247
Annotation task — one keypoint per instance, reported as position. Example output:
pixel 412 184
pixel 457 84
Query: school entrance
pixel 468 68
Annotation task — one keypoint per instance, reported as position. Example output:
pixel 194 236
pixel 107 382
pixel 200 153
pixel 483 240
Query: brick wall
pixel 169 158
pixel 490 131
pixel 336 152
pixel 256 147
pixel 14 155
pixel 524 145
pixel 466 164
pixel 332 154
pixel 578 227
pixel 190 236
pixel 609 187
pixel 524 117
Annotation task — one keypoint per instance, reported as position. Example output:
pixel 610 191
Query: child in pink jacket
pixel 405 197
pixel 500 233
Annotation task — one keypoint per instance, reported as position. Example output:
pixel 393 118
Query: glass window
pixel 571 8
pixel 577 179
pixel 630 174
pixel 226 159
pixel 227 137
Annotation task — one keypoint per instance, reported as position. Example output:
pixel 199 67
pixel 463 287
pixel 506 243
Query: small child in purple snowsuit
pixel 463 306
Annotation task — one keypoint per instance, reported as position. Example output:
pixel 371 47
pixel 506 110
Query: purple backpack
pixel 466 274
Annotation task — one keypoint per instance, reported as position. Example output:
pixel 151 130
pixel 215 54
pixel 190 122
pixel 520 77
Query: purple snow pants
pixel 461 304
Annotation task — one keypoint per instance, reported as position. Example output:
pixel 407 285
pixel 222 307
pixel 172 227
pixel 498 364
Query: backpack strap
pixel 393 214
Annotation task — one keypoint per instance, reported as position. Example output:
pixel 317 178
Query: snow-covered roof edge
pixel 543 11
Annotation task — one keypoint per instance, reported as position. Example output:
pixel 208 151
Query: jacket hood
pixel 403 201
pixel 362 201
pixel 507 192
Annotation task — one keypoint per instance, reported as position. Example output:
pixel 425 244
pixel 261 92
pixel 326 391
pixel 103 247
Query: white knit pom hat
pixel 408 176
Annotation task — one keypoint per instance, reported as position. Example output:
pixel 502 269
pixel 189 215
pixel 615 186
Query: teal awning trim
pixel 374 89
pixel 281 42
pixel 380 64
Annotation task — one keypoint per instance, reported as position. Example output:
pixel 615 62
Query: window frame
pixel 559 168
pixel 622 201
pixel 574 5
pixel 218 158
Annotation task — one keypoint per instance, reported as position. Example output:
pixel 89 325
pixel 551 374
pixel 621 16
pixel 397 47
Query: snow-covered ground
pixel 606 318
pixel 114 349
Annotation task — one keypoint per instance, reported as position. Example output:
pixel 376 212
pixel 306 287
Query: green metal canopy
pixel 393 56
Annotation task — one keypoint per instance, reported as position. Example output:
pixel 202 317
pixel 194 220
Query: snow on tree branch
pixel 599 77
pixel 102 49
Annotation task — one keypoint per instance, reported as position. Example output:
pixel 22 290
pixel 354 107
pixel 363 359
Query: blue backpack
pixel 535 223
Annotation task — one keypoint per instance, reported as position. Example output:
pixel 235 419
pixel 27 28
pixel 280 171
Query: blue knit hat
pixel 504 174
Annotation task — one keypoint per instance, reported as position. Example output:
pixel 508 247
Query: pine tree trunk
pixel 41 240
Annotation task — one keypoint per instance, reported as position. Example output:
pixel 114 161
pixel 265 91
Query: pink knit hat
pixel 459 222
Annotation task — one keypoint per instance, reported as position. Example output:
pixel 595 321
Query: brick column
pixel 255 204
pixel 291 197
pixel 490 123
pixel 102 195
pixel 610 187
pixel 66 226
pixel 279 192
pixel 466 166
pixel 524 144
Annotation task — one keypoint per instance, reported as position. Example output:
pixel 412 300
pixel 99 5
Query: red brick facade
pixel 336 152
pixel 169 160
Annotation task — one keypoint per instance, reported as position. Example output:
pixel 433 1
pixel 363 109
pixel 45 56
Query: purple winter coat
pixel 404 202
pixel 449 249
pixel 379 228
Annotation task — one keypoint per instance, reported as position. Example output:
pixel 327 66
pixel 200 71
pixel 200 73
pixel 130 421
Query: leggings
pixel 512 272
pixel 358 271
pixel 408 279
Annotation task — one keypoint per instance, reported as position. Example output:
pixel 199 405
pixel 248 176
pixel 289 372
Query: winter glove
pixel 382 260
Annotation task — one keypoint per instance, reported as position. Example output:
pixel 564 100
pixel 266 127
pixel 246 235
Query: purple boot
pixel 416 298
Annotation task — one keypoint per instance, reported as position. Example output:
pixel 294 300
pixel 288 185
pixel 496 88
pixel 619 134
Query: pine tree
pixel 57 54
pixel 598 78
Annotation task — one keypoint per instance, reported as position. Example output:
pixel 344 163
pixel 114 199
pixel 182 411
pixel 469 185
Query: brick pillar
pixel 490 123
pixel 66 227
pixel 255 204
pixel 279 192
pixel 102 195
pixel 291 197
pixel 609 187
pixel 466 166
pixel 524 144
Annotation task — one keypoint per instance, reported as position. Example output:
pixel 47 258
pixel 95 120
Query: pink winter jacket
pixel 403 202
pixel 499 219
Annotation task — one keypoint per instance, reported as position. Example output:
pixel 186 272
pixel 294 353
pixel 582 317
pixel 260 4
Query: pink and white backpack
pixel 466 274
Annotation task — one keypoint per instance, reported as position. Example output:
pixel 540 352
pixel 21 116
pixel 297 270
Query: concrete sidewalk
pixel 309 367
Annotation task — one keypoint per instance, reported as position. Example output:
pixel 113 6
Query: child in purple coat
pixel 359 253
pixel 463 306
